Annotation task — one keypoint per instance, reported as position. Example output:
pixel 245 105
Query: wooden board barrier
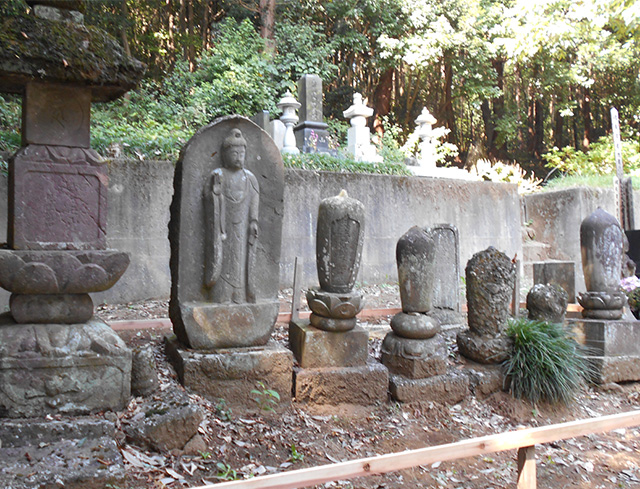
pixel 425 456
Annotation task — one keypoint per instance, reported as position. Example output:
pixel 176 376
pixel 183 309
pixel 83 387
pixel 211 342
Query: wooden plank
pixel 429 455
pixel 527 467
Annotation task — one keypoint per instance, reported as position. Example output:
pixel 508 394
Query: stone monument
pixel 331 349
pixel 225 234
pixel 359 136
pixel 613 343
pixel 311 133
pixel 490 276
pixel 415 354
pixel 55 358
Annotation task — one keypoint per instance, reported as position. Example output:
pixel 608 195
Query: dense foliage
pixel 509 79
pixel 546 364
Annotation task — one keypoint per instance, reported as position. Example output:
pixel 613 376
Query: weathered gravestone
pixel 446 280
pixel 331 349
pixel 560 273
pixel 490 278
pixel 614 344
pixel 311 133
pixel 225 234
pixel 415 354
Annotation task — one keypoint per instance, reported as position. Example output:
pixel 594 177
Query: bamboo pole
pixel 429 455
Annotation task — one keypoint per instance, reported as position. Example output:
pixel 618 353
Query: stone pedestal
pixel 62 369
pixel 231 374
pixel 418 370
pixel 613 348
pixel 364 385
pixel 80 453
pixel 335 367
pixel 315 348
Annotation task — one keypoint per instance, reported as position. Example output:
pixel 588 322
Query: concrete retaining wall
pixel 140 193
pixel 555 217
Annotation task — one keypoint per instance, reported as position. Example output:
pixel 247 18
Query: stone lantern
pixel 289 105
pixel 424 123
pixel 358 135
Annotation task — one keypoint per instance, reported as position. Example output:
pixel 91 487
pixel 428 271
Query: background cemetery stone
pixel 311 133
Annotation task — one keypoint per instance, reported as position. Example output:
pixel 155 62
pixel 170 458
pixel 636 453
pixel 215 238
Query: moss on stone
pixel 35 49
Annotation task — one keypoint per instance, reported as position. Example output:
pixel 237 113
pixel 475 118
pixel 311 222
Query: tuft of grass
pixel 546 364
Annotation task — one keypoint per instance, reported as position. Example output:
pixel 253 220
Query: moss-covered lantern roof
pixel 37 49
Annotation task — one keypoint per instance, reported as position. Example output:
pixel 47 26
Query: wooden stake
pixel 297 289
pixel 527 467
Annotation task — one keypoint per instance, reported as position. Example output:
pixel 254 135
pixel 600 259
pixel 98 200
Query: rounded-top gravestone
pixel 601 245
pixel 225 234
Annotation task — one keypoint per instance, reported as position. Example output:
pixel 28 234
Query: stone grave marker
pixel 311 133
pixel 225 234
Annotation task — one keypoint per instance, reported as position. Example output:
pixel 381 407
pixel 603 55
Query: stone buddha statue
pixel 232 199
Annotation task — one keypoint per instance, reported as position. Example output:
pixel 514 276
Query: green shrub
pixel 325 162
pixel 599 160
pixel 546 364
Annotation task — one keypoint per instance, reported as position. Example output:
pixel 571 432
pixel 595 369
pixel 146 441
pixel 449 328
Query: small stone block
pixel 57 205
pixel 315 348
pixel 608 338
pixel 562 273
pixel 365 385
pixel 57 115
pixel 51 308
pixel 62 369
pixel 484 380
pixel 231 374
pixel 449 388
pixel 79 453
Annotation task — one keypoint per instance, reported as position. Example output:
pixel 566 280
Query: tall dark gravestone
pixel 225 233
pixel 311 133
pixel 54 358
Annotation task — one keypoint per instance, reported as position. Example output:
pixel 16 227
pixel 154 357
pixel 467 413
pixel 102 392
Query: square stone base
pixel 414 359
pixel 364 385
pixel 231 374
pixel 449 388
pixel 616 369
pixel 613 347
pixel 80 453
pixel 315 348
pixel 62 369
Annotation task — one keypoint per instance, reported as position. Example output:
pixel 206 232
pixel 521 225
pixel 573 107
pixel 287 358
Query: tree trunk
pixel 382 100
pixel 446 111
pixel 489 126
pixel 538 143
pixel 586 116
pixel 267 19
pixel 191 47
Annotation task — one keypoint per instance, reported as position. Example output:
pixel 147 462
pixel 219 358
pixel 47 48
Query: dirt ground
pixel 256 442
